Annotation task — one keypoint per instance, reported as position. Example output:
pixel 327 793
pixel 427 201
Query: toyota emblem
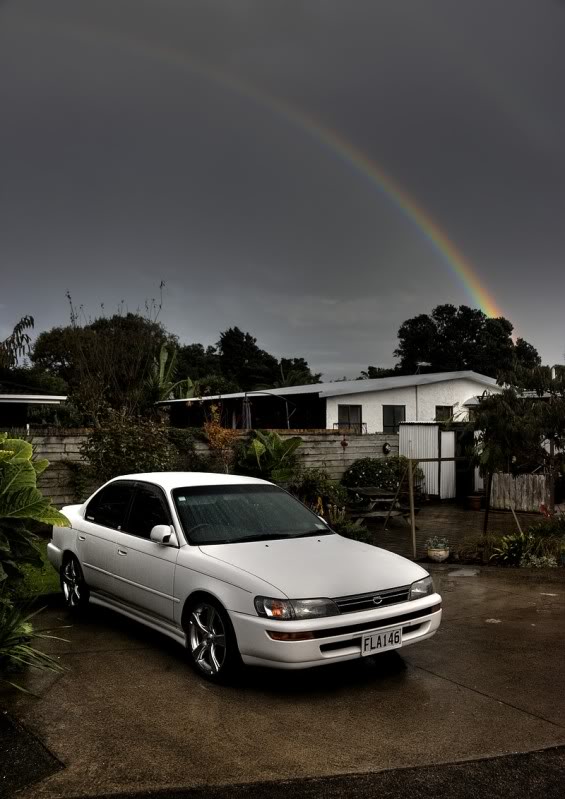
pixel 377 600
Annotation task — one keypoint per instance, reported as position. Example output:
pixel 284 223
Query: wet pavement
pixel 130 716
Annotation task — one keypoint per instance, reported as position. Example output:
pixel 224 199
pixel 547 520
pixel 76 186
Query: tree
pixel 453 339
pixel 526 356
pixel 523 427
pixel 197 361
pixel 295 372
pixel 242 361
pixel 106 363
pixel 214 385
pixel 17 343
pixel 376 372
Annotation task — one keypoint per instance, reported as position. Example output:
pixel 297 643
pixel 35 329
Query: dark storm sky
pixel 127 157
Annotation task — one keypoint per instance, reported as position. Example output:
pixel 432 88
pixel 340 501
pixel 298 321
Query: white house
pixel 383 403
pixel 363 406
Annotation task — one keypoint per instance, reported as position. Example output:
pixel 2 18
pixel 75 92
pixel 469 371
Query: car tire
pixel 73 585
pixel 211 642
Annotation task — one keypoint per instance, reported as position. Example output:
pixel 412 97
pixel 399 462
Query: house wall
pixel 420 402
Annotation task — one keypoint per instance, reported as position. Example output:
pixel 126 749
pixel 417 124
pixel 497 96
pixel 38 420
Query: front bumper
pixel 337 638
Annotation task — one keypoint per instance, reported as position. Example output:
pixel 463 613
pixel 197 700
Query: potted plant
pixel 438 548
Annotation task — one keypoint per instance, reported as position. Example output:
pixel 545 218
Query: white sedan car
pixel 236 569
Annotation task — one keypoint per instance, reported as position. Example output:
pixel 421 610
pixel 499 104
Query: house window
pixel 349 418
pixel 444 413
pixel 392 416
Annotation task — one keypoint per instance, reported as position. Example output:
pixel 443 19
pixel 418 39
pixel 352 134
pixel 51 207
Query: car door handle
pixel 82 538
pixel 122 552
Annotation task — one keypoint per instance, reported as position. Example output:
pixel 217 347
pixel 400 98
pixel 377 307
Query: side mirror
pixel 164 534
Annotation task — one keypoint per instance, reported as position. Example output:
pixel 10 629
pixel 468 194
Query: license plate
pixel 381 642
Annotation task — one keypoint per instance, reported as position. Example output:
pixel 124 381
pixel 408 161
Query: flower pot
pixel 474 502
pixel 438 555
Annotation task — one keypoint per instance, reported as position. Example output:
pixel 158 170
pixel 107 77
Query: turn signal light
pixel 280 636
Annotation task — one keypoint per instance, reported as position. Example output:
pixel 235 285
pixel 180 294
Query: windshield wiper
pixel 326 531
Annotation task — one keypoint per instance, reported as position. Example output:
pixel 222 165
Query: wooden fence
pixel 523 493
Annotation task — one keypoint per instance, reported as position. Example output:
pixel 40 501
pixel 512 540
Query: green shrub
pixel 385 473
pixel 184 455
pixel 16 649
pixel 357 532
pixel 127 445
pixel 270 456
pixel 478 550
pixel 512 549
pixel 553 526
pixel 535 562
pixel 316 489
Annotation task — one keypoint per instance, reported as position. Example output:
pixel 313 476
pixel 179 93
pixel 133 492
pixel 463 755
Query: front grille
pixel 357 602
pixel 375 624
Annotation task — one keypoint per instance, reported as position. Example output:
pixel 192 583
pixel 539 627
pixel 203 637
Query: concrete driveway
pixel 129 715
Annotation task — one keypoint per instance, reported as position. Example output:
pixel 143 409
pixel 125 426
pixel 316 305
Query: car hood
pixel 324 566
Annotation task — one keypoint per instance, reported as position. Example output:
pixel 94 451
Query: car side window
pixel 147 510
pixel 109 507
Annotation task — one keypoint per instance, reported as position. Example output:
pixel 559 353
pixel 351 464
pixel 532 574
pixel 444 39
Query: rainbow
pixel 361 164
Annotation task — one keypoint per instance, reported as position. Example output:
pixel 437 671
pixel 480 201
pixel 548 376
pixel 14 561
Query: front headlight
pixel 423 587
pixel 293 609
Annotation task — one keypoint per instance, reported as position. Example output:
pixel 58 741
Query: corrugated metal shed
pixel 426 440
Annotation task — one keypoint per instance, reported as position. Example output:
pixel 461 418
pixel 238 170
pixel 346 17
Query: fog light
pixel 280 636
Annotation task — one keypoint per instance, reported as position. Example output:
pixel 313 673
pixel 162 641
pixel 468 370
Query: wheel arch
pixel 192 598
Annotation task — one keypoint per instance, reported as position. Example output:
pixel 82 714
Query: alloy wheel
pixel 72 584
pixel 207 639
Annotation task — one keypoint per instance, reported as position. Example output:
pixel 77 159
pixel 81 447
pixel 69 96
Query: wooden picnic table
pixel 371 497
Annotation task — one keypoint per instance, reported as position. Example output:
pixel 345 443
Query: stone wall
pixel 319 449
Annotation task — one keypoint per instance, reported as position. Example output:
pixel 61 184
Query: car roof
pixel 170 480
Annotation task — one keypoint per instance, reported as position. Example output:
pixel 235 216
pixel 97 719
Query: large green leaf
pixel 289 447
pixel 258 449
pixel 29 503
pixel 17 475
pixel 40 465
pixel 21 449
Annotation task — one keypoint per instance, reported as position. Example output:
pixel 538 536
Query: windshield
pixel 233 514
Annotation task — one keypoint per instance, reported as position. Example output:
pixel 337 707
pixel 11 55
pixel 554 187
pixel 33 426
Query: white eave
pixel 32 399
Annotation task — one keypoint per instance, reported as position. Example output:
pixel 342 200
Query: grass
pixel 37 581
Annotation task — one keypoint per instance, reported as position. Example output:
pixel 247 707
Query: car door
pixel 145 570
pixel 96 539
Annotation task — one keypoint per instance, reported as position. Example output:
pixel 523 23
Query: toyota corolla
pixel 237 570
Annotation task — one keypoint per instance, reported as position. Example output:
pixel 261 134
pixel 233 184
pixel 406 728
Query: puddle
pixel 464 572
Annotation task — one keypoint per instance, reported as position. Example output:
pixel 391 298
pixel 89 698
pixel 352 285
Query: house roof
pixel 341 387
